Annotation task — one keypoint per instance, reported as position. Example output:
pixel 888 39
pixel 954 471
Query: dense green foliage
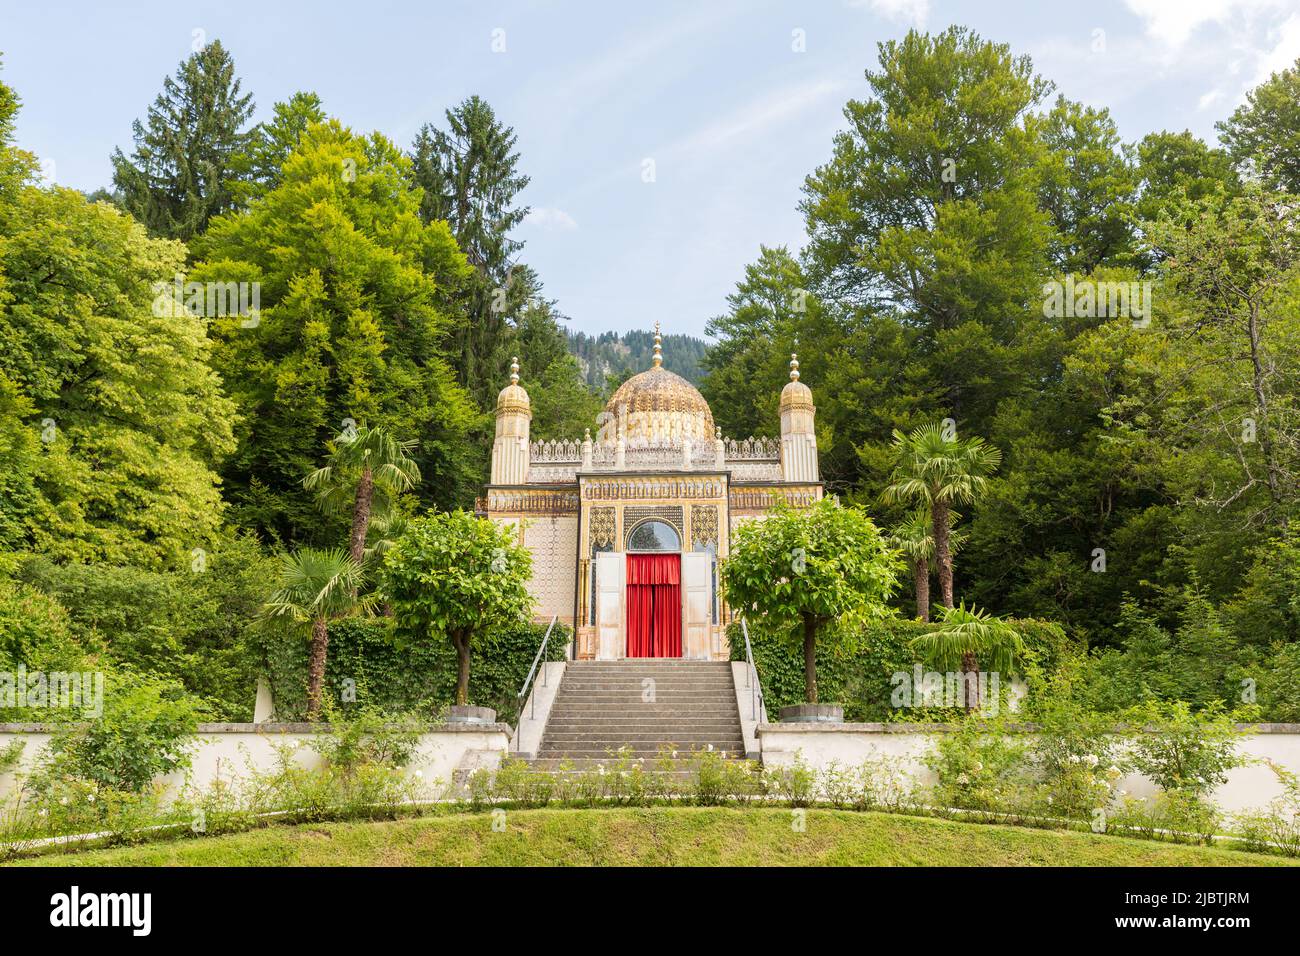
pixel 816 575
pixel 153 447
pixel 367 667
pixel 861 676
pixel 1148 452
pixel 188 149
pixel 456 579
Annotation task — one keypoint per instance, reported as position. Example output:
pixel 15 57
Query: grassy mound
pixel 660 836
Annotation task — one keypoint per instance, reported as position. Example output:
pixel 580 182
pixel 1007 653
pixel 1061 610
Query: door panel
pixel 610 568
pixel 697 587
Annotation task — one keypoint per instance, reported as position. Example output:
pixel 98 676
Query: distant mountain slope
pixel 621 355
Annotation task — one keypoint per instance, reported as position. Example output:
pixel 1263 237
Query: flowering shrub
pixel 980 767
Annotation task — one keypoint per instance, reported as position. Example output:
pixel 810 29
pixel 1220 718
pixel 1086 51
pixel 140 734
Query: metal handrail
pixel 751 675
pixel 532 671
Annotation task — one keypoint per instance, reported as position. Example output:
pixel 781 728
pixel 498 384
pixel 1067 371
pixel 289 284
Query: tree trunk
pixel 810 658
pixel 320 640
pixel 1262 428
pixel 461 643
pixel 921 567
pixel 942 554
pixel 361 515
pixel 971 684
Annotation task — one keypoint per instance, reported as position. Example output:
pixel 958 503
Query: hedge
pixel 859 678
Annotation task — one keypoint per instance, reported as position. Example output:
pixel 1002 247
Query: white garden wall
pixel 849 745
pixel 229 750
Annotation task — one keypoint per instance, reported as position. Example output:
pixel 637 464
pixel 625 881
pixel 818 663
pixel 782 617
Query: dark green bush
pixel 859 677
pixel 366 668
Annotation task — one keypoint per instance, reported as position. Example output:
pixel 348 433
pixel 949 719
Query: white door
pixel 611 571
pixel 697 592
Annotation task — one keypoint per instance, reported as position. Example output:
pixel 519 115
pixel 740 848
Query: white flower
pixel 63 801
pixel 43 812
pixel 91 798
pixel 963 779
pixel 1091 760
pixel 420 774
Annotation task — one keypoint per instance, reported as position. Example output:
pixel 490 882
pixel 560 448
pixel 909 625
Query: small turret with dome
pixel 798 437
pixel 510 447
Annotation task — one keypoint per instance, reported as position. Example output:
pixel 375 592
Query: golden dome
pixel 659 405
pixel 796 394
pixel 513 398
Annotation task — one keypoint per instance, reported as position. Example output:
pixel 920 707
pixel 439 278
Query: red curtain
pixel 654 605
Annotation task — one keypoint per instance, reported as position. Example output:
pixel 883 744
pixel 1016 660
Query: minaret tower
pixel 798 440
pixel 510 449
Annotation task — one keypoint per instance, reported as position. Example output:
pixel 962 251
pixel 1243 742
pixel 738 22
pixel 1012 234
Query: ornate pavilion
pixel 626 529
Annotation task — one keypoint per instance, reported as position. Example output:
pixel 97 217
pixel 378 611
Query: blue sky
pixel 714 92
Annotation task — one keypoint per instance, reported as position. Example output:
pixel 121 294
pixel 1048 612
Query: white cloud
pixel 1174 21
pixel 1209 99
pixel 915 12
pixel 551 219
pixel 1285 52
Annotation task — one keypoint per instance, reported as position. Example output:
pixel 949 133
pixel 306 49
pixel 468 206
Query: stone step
pixel 649 662
pixel 618 724
pixel 580 764
pixel 607 756
pixel 619 697
pixel 646 739
pixel 659 707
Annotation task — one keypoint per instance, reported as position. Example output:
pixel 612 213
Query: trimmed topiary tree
pixel 811 573
pixel 454 577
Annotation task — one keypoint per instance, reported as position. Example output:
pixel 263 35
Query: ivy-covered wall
pixel 858 677
pixel 419 678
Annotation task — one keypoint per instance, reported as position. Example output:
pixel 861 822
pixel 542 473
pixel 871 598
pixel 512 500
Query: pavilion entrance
pixel 654 605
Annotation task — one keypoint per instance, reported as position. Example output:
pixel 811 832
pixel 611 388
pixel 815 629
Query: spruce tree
pixel 178 175
pixel 470 177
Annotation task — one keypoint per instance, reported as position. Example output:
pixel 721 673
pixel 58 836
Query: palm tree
pixel 317 587
pixel 366 473
pixel 964 636
pixel 914 536
pixel 938 472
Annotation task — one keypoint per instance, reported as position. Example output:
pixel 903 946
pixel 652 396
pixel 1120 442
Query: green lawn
pixel 660 836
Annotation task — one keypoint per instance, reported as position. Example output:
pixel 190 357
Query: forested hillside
pixel 613 356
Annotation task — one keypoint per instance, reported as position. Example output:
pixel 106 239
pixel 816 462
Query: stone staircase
pixel 647 705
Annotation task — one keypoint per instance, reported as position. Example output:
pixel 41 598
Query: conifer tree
pixel 179 174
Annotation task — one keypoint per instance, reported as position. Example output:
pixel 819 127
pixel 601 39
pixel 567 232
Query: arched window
pixel 654 536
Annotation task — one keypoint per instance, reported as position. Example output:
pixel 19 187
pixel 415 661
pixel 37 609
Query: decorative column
pixel 798 439
pixel 510 448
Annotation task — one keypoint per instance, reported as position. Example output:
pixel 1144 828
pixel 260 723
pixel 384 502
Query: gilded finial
pixel 659 352
pixel 794 367
pixel 514 370
pixel 586 435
